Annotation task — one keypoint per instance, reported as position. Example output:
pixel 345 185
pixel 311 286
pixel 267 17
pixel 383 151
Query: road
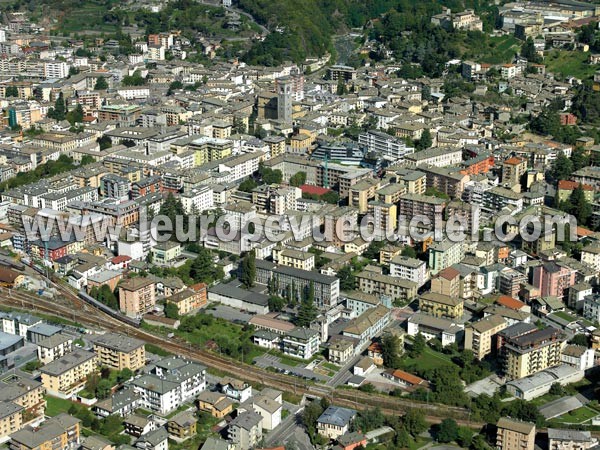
pixel 68 305
pixel 290 431
pixel 345 372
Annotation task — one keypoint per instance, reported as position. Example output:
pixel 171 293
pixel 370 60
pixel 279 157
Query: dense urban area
pixel 232 224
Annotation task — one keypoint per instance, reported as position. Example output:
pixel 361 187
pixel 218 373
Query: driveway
pixel 265 361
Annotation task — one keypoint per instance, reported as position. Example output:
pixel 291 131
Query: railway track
pixel 70 306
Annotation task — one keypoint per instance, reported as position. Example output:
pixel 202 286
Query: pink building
pixel 552 279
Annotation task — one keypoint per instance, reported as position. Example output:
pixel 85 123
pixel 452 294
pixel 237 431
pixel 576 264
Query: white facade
pixel 409 269
pixel 198 200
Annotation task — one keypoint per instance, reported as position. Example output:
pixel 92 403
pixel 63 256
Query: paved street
pixel 344 374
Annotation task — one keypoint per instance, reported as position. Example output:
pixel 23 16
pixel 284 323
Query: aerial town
pixel 299 225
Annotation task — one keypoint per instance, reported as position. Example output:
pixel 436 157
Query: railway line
pixel 70 306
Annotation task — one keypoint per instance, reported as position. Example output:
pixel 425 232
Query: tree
pixel 11 91
pixel 562 168
pixel 347 279
pixel 447 431
pixel 409 252
pixel 101 84
pixel 60 109
pixel 175 85
pixel 418 346
pixel 171 311
pixel 556 389
pixel 579 339
pixel 75 115
pixel 270 176
pixel 248 269
pixel 580 158
pixel 529 52
pixel 124 375
pixel 276 303
pixel 414 421
pixel 580 207
pixel 248 185
pixel 464 437
pixel 331 197
pixel 298 179
pixel 310 415
pixel 103 389
pixel 391 351
pixel 478 443
pixel 86 159
pixel 104 142
pixel 426 141
pixel 307 313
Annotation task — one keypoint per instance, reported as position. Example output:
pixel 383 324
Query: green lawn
pixel 55 405
pixel 580 415
pixel 565 63
pixel 330 366
pixel 565 316
pixel 430 359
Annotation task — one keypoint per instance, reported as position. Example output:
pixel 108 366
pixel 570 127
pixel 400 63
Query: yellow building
pixel 376 283
pixel 119 352
pixel 514 434
pixel 188 300
pixel 11 418
pixel 182 426
pixel 66 376
pixel 294 258
pixel 361 193
pixel 57 433
pixel 24 392
pixel 479 335
pixel 217 404
pixel 208 149
pixel 530 352
pixel 440 305
pixel 300 143
pixel 276 145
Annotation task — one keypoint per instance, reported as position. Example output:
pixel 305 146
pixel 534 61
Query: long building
pixel 389 147
pixel 326 288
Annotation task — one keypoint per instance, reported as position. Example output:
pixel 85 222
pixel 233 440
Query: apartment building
pixel 169 383
pixel 368 325
pixel 559 439
pixel 513 170
pixel 326 288
pixel 17 387
pixel 61 432
pixel 66 376
pixel 480 335
pixel 444 254
pixel 245 431
pixel 448 180
pixel 590 256
pixel 54 347
pixel 137 296
pixel 410 269
pixel 497 198
pixel 428 209
pixel 301 343
pixel 530 351
pixel 436 156
pixel 118 351
pixel 389 147
pixel 361 193
pixel 189 300
pixel 440 305
pixel 126 115
pixel 512 434
pixel 591 307
pixel 376 283
pixel 294 258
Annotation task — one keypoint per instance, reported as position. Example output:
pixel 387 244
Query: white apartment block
pixel 171 382
pixel 590 256
pixel 409 269
pixel 197 199
pixel 388 146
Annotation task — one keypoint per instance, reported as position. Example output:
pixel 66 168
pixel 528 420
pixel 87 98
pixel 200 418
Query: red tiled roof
pixel 449 273
pixel 513 161
pixel 198 287
pixel 572 185
pixel 584 232
pixel 120 259
pixel 310 189
pixel 510 302
pixel 408 377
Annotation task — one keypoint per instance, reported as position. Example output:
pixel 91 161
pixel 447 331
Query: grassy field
pixel 495 50
pixel 580 415
pixel 430 359
pixel 565 63
pixel 565 316
pixel 55 406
